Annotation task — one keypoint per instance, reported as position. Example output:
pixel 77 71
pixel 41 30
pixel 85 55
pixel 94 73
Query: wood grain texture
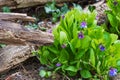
pixel 13 55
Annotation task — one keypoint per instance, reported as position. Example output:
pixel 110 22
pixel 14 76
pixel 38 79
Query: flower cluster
pixel 112 72
pixel 83 24
pixel 101 47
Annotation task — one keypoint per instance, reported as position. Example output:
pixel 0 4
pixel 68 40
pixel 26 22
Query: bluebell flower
pixel 58 64
pixel 80 35
pixel 102 48
pixel 112 72
pixel 83 25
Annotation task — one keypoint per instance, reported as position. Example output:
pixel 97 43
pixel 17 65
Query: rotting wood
pixel 27 3
pixel 15 34
pixel 16 16
pixel 13 55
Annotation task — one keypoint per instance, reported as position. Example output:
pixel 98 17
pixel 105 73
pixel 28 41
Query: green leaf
pixel 71 47
pixel 98 67
pixel 53 49
pixel 114 37
pixel 71 68
pixel 75 34
pixel 42 73
pixel 80 54
pixel 43 57
pixel 93 44
pixel 85 42
pixel 92 57
pixel 85 74
pixel 76 42
pixel 113 20
pixel 63 37
pixel 118 62
pixel 64 56
pixel 48 74
pixel 91 8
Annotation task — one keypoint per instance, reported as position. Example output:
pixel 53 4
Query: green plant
pixel 81 47
pixel 56 12
pixel 32 26
pixel 6 9
pixel 2 45
pixel 113 16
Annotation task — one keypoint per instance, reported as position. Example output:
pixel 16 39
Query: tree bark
pixel 13 55
pixel 16 34
pixel 26 3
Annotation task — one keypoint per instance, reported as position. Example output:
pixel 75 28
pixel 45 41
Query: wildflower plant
pixel 81 47
pixel 113 16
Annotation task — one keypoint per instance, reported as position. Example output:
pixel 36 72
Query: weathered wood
pixel 12 55
pixel 26 3
pixel 16 16
pixel 13 33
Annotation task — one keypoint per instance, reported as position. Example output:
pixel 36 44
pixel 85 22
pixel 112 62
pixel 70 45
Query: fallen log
pixel 26 3
pixel 13 55
pixel 16 34
pixel 16 16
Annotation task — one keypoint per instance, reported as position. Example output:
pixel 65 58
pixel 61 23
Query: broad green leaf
pixel 85 42
pixel 42 73
pixel 71 47
pixel 98 67
pixel 48 74
pixel 74 32
pixel 43 60
pixel 92 57
pixel 53 49
pixel 79 54
pixel 93 44
pixel 113 20
pixel 85 74
pixel 70 73
pixel 118 62
pixel 114 37
pixel 63 37
pixel 71 68
pixel 64 56
pixel 76 42
pixel 107 39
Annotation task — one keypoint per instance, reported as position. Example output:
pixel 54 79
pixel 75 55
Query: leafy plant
pixel 6 9
pixel 2 45
pixel 32 26
pixel 56 12
pixel 82 47
pixel 113 16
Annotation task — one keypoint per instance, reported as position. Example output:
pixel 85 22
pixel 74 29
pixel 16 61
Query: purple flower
pixel 63 16
pixel 58 64
pixel 97 17
pixel 83 25
pixel 49 31
pixel 63 45
pixel 101 47
pixel 115 3
pixel 112 72
pixel 80 35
